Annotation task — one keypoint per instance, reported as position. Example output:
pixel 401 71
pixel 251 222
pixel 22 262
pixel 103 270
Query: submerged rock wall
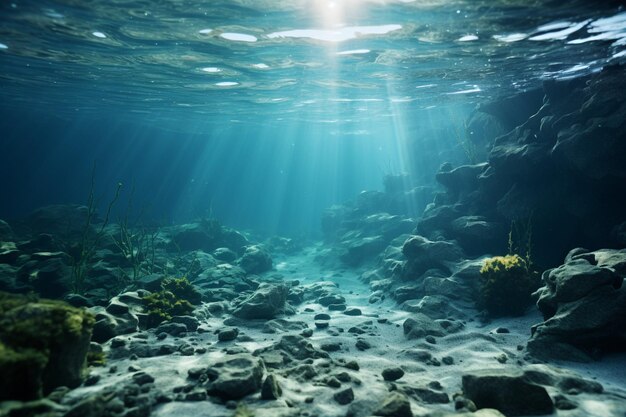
pixel 562 173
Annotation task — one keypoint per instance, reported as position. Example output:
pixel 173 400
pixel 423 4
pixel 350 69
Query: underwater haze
pixel 312 208
pixel 265 112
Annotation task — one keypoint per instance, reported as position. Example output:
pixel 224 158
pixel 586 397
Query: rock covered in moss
pixel 507 285
pixel 44 344
pixel 177 298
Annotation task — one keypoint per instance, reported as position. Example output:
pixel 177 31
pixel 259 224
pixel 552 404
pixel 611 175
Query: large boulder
pixel 255 260
pixel 423 254
pixel 66 221
pixel 584 306
pixel 509 391
pixel 43 345
pixel 47 273
pixel 266 302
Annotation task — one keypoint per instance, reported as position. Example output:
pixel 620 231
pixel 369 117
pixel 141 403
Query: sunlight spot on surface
pixel 3 46
pixel 561 34
pixel 474 89
pixel 468 38
pixel 354 52
pixel 226 84
pixel 99 35
pixel 211 70
pixel 205 31
pixel 426 86
pixel 239 37
pixel 512 37
pixel 261 66
pixel 337 35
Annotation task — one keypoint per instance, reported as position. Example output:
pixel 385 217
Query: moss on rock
pixel 507 285
pixel 43 342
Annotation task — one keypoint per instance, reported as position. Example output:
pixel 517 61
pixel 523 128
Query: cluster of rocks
pixel 362 229
pixel 59 250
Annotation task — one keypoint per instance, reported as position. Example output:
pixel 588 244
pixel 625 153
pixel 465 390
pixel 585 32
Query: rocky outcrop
pixel 508 391
pixel 557 175
pixel 583 303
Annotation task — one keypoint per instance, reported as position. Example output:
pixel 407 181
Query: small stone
pixel 354 365
pixel 382 321
pixel 92 379
pixel 333 382
pixel 309 400
pixel 117 342
pixel 502 330
pixel 435 385
pixel 343 377
pixel 392 374
pixel 186 349
pixel 344 397
pixel 321 324
pixel 196 395
pixel 270 389
pixel 395 405
pixel 142 378
pixel 362 344
pixel 134 368
pixel 561 402
pixel 337 307
pixel 322 316
pixel 447 360
pixel 431 340
pixel 307 332
pixel 331 346
pixel 353 311
pixel 227 335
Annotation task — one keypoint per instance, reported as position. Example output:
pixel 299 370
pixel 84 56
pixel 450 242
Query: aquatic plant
pixel 175 299
pixel 182 288
pixel 507 285
pixel 139 249
pixel 462 138
pixel 43 344
pixel 82 252
pixel 520 238
pixel 96 358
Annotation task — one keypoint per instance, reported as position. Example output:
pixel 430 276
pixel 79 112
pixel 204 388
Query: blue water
pixel 263 113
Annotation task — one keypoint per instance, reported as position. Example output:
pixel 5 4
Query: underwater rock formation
pixel 560 173
pixel 583 304
pixel 362 229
